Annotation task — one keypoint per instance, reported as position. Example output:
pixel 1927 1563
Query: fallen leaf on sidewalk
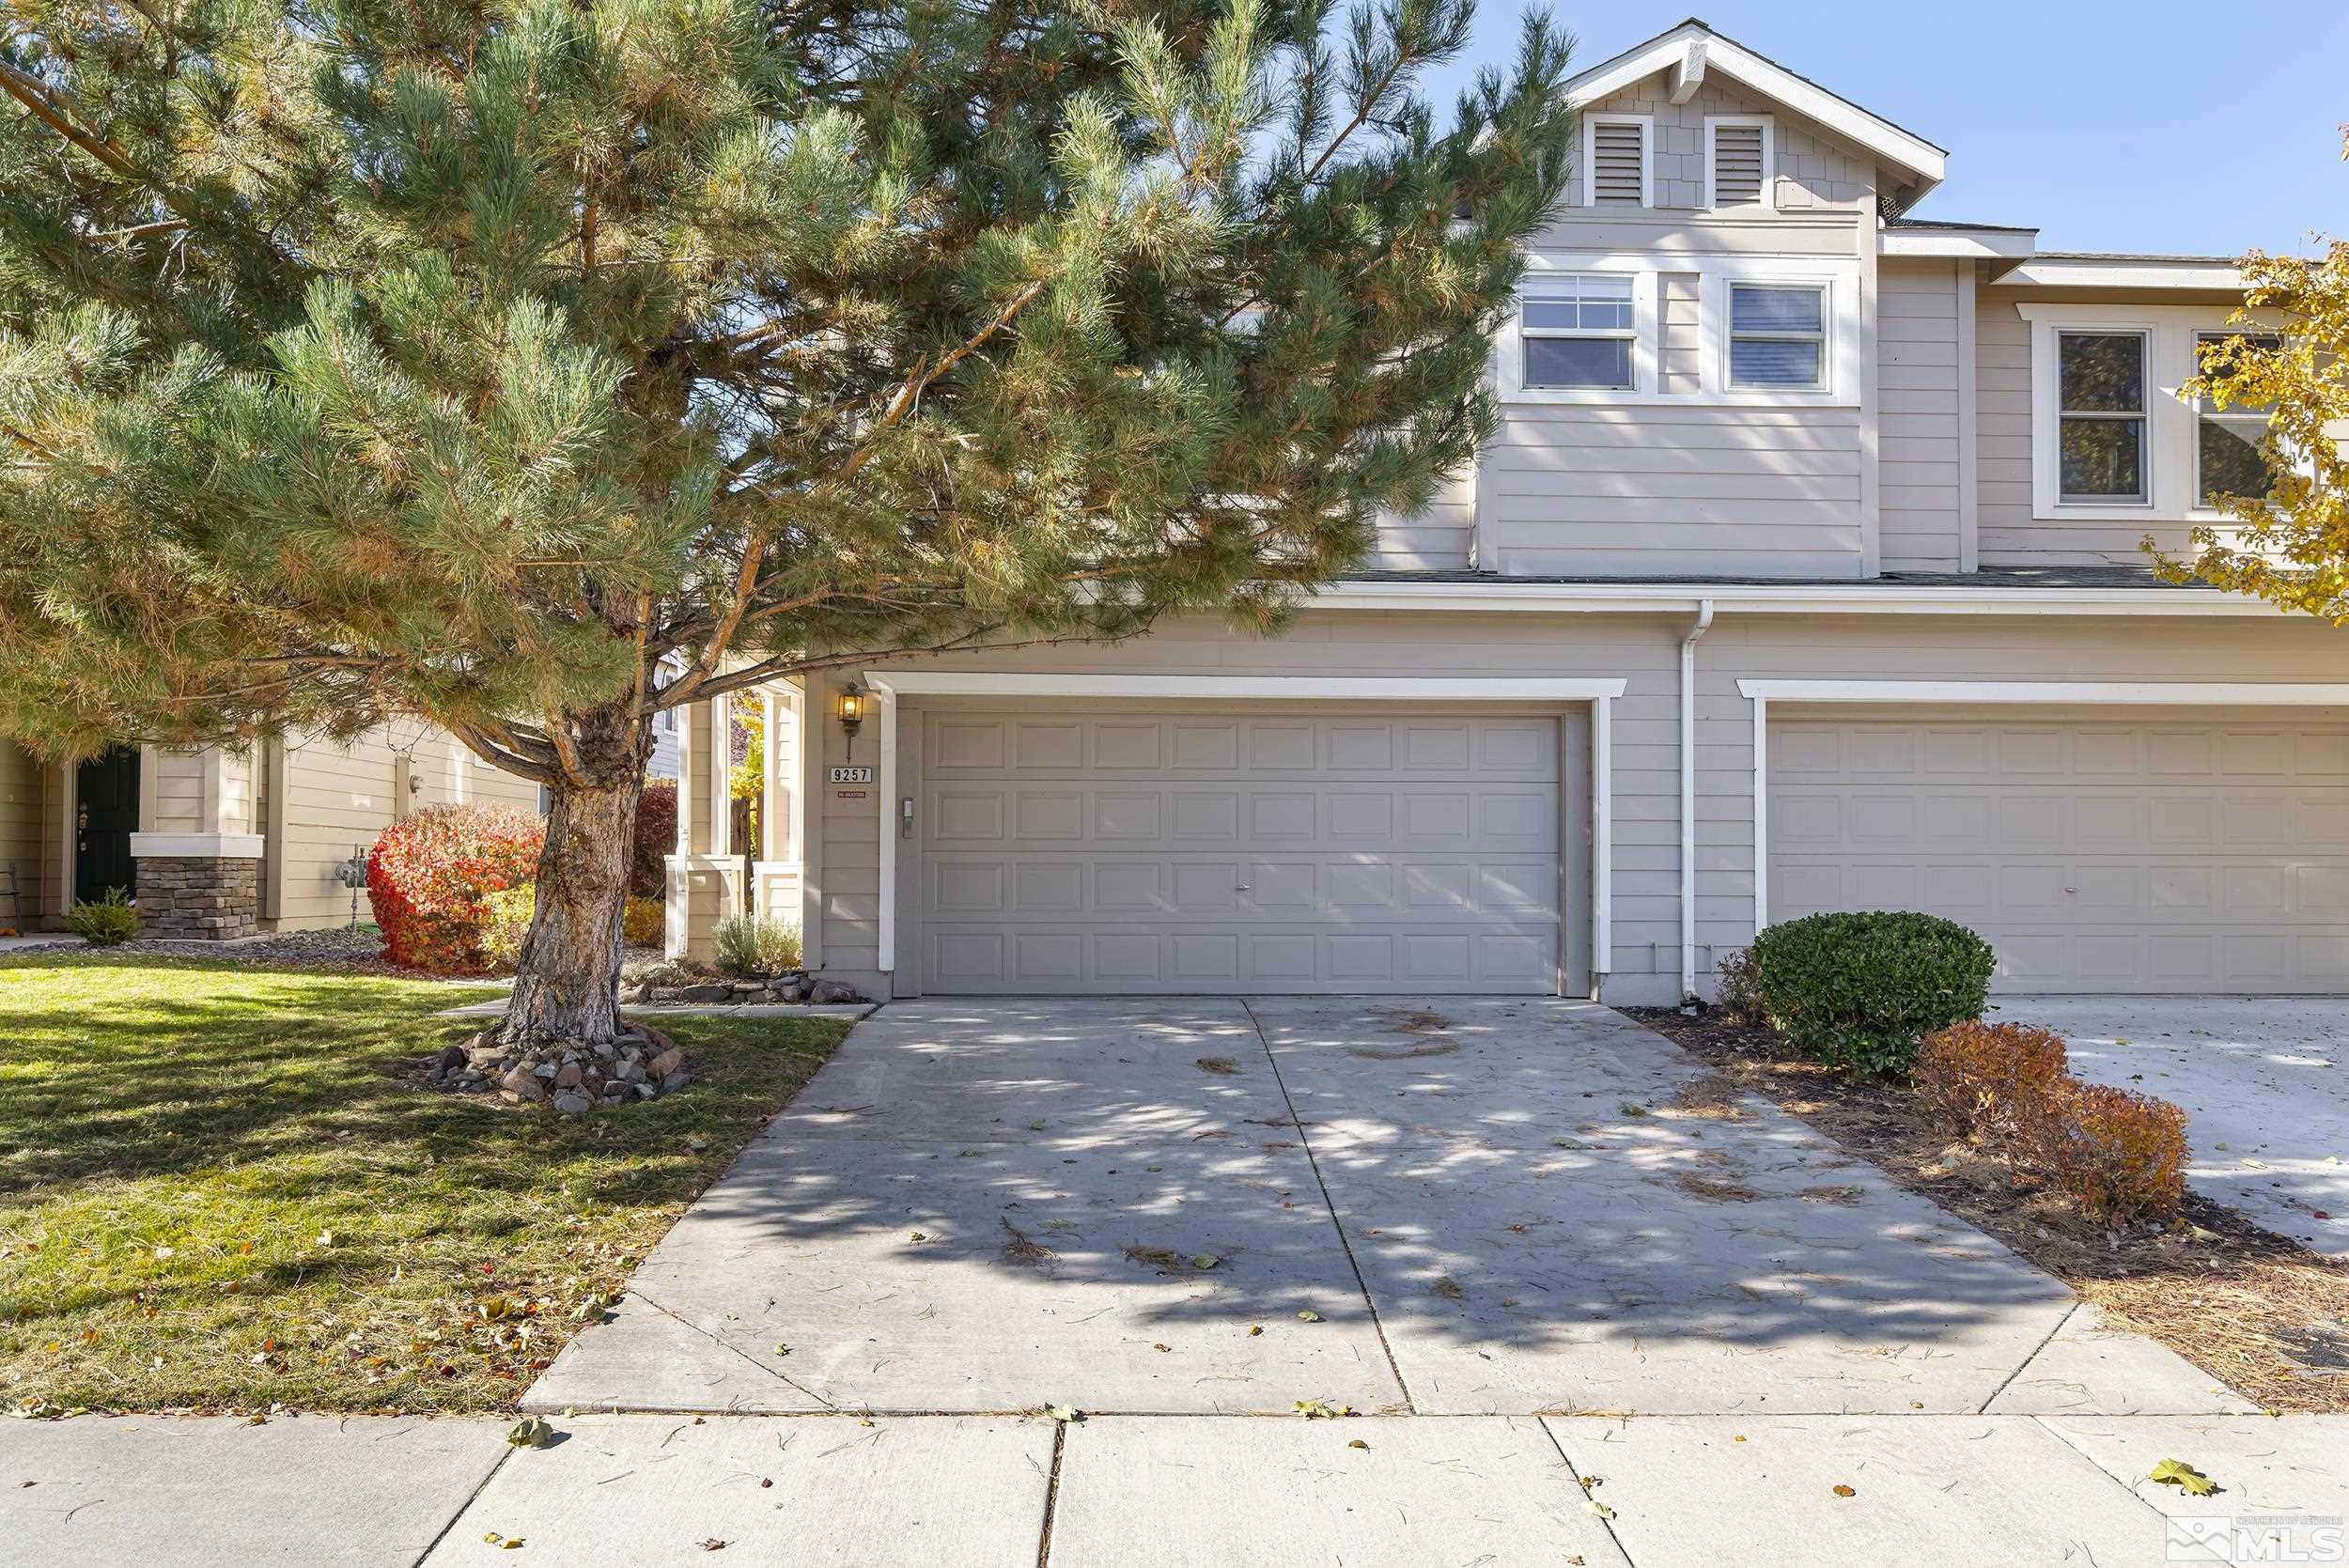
pixel 1309 1316
pixel 1064 1414
pixel 1595 1506
pixel 1317 1410
pixel 1845 1492
pixel 531 1431
pixel 2177 1473
pixel 1222 1064
pixel 1357 1443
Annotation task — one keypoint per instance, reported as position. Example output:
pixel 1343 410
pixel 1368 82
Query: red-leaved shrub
pixel 428 879
pixel 2121 1155
pixel 656 840
pixel 1990 1081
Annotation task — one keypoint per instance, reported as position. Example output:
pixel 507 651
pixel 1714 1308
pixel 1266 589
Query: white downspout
pixel 1689 801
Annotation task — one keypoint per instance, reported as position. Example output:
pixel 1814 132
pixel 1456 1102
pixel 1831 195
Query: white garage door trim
pixel 888 687
pixel 2051 692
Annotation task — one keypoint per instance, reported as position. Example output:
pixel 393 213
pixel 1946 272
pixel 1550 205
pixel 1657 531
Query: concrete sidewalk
pixel 843 1491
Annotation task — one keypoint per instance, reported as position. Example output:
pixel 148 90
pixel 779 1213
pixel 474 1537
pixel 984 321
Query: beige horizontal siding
pixel 339 798
pixel 1441 537
pixel 1675 490
pixel 24 783
pixel 1642 651
pixel 1917 417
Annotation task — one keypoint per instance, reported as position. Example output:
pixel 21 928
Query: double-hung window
pixel 2227 455
pixel 1577 332
pixel 2101 418
pixel 1777 336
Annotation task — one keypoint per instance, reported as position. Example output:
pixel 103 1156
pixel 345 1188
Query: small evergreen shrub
pixel 1990 1081
pixel 2120 1156
pixel 643 922
pixel 747 945
pixel 1861 990
pixel 430 876
pixel 107 922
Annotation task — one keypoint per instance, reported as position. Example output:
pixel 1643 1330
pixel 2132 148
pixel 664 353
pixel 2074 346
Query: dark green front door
pixel 106 796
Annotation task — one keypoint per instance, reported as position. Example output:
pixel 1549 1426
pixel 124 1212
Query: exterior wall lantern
pixel 854 702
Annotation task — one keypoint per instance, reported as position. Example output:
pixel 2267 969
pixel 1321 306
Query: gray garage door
pixel 1163 851
pixel 2121 854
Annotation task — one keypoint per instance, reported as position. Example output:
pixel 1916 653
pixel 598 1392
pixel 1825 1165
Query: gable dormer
pixel 1696 121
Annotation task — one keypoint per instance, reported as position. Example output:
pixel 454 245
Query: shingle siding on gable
pixel 1814 169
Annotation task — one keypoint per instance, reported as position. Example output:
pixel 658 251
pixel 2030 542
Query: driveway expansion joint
pixel 1305 1140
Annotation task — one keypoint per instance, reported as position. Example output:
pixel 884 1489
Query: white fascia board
pixel 1804 599
pixel 2141 693
pixel 1962 245
pixel 958 683
pixel 1846 119
pixel 2066 272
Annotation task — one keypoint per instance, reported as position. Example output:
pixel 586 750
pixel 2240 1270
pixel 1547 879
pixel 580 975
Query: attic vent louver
pixel 1618 164
pixel 1740 165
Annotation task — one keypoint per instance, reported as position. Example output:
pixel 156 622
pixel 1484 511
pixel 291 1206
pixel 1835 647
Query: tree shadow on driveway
pixel 1458 1205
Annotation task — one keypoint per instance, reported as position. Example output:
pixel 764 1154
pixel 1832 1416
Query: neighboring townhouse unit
pixel 1803 574
pixel 217 844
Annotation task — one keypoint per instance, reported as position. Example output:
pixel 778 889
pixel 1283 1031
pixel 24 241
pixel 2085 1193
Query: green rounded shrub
pixel 1861 990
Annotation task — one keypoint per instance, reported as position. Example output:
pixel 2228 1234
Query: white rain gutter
pixel 1688 799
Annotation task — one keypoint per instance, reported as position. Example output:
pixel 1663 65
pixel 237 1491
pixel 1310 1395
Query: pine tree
pixel 533 365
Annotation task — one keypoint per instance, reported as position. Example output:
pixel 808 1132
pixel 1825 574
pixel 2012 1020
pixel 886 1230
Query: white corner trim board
pixel 889 686
pixel 2144 693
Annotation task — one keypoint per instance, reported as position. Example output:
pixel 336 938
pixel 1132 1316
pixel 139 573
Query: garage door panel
pixel 2119 856
pixel 1190 851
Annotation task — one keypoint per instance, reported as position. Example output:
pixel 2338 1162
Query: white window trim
pixel 2173 492
pixel 1825 338
pixel 1643 367
pixel 1647 155
pixel 1839 360
pixel 1844 340
pixel 1769 159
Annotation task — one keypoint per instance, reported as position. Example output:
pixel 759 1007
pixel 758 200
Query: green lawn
pixel 217 1192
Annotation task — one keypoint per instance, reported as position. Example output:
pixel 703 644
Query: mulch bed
pixel 2237 1301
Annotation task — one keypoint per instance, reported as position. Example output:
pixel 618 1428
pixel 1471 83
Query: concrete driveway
pixel 2264 1083
pixel 1450 1207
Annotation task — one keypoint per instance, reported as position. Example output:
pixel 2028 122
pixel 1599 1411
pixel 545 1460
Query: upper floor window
pixel 2113 435
pixel 2101 417
pixel 1618 170
pixel 2227 455
pixel 1577 330
pixel 1777 336
pixel 1737 160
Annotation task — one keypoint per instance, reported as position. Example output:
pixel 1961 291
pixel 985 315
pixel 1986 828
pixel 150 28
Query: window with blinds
pixel 1737 163
pixel 1618 159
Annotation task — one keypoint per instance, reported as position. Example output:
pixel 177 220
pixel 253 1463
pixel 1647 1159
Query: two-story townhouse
pixel 1804 574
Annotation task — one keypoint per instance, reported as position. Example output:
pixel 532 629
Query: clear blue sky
pixel 2099 122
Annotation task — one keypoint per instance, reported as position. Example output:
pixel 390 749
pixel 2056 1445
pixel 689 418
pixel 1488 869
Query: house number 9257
pixel 852 775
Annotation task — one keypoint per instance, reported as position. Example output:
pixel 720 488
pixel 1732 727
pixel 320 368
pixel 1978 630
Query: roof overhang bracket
pixel 1688 73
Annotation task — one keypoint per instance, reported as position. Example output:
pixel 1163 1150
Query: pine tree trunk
pixel 567 983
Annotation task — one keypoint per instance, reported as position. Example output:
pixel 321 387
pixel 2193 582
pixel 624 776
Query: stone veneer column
pixel 199 897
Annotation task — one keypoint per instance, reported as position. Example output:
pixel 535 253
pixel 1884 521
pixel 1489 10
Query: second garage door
pixel 2094 853
pixel 1290 852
